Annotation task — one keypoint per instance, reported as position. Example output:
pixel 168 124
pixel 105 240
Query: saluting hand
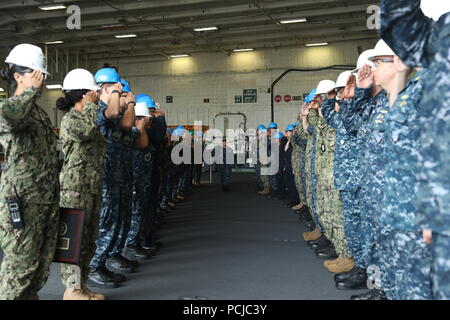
pixel 365 78
pixel 34 79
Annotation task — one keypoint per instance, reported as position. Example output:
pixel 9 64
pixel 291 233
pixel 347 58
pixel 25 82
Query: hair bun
pixel 63 104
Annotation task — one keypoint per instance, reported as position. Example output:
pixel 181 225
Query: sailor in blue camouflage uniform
pixel 411 257
pixel 259 181
pixel 225 168
pixel 126 190
pixel 344 180
pixel 421 42
pixel 142 166
pixel 364 117
pixel 110 212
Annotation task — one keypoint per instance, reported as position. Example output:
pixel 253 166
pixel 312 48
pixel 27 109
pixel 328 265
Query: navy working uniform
pixel 421 42
pixel 111 217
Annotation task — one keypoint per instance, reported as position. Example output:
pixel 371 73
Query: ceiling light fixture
pixel 288 21
pixel 317 44
pixel 123 36
pixel 180 55
pixel 206 29
pixel 53 7
pixel 54 42
pixel 243 50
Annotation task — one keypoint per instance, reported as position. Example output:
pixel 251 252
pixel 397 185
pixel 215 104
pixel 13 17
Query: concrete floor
pixel 227 246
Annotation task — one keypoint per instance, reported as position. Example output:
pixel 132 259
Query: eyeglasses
pixel 377 61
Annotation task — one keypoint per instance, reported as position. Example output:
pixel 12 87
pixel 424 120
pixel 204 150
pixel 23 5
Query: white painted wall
pixel 220 78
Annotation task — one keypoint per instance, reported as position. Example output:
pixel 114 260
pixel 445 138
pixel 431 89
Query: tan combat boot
pixel 93 295
pixel 329 263
pixel 76 294
pixel 313 235
pixel 297 207
pixel 345 265
pixel 181 197
pixel 266 191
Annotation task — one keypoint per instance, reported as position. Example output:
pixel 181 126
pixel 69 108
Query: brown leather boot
pixel 345 265
pixel 76 294
pixel 329 263
pixel 93 295
pixel 266 191
pixel 313 235
pixel 297 207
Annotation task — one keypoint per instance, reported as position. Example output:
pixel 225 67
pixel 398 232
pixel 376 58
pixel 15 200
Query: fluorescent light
pixel 180 55
pixel 293 21
pixel 122 36
pixel 243 50
pixel 53 7
pixel 317 44
pixel 2 90
pixel 54 86
pixel 54 42
pixel 206 29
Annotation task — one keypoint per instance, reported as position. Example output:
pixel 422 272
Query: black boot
pixel 98 278
pixel 117 277
pixel 378 295
pixel 356 281
pixel 320 243
pixel 327 253
pixel 133 253
pixel 118 264
pixel 343 276
pixel 363 296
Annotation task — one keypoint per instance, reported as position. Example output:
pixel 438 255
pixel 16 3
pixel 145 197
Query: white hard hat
pixel 80 79
pixel 381 49
pixel 141 110
pixel 363 60
pixel 435 8
pixel 29 56
pixel 343 79
pixel 325 86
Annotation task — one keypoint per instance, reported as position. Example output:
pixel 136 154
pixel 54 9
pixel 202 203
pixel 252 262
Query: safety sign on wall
pixel 169 99
pixel 287 98
pixel 250 95
pixel 238 99
pixel 278 99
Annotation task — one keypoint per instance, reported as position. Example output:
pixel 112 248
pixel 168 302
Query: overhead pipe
pixel 272 89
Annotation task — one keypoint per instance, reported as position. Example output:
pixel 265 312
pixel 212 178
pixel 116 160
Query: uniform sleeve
pixel 15 111
pixel 329 113
pixel 408 31
pixel 351 114
pixel 84 127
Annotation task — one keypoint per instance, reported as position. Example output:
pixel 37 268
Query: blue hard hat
pixel 290 127
pixel 279 135
pixel 145 98
pixel 107 75
pixel 261 127
pixel 273 125
pixel 179 131
pixel 171 131
pixel 125 85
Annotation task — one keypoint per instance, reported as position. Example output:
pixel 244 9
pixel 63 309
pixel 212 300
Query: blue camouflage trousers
pixel 126 203
pixel 352 225
pixel 225 171
pixel 440 274
pixel 109 223
pixel 140 208
pixel 409 266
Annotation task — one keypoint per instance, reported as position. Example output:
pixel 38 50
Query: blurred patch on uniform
pixel 68 246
